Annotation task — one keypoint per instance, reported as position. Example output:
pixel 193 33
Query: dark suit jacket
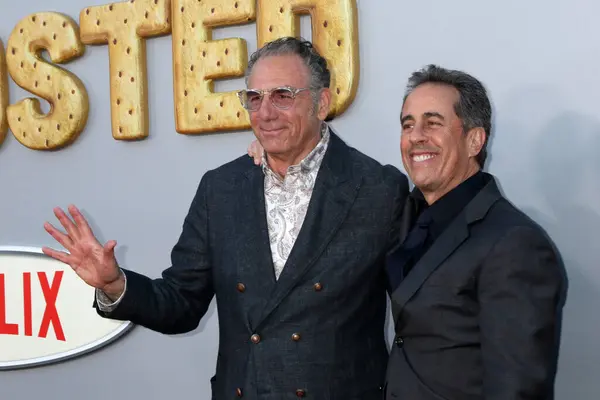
pixel 316 332
pixel 478 315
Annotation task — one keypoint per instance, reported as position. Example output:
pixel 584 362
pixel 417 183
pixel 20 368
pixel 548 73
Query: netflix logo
pixel 50 315
pixel 46 312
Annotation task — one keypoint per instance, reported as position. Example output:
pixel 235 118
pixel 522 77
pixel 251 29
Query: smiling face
pixel 286 135
pixel 437 154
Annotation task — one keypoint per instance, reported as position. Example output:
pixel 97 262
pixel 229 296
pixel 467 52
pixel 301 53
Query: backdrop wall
pixel 537 58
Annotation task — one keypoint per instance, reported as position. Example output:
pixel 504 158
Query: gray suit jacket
pixel 478 316
pixel 318 331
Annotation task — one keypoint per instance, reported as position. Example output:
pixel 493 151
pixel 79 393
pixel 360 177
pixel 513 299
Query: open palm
pixel 94 263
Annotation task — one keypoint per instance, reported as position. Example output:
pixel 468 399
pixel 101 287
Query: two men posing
pixel 301 250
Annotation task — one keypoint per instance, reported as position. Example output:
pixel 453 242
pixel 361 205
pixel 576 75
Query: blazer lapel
pixel 333 195
pixel 257 272
pixel 452 237
pixel 456 233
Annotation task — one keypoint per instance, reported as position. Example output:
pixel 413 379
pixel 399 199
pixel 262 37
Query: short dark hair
pixel 473 106
pixel 320 76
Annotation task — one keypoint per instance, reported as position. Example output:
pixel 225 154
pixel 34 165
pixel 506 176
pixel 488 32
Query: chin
pixel 269 144
pixel 423 181
pixel 274 148
pixel 274 144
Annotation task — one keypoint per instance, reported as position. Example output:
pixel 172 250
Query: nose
pixel 267 111
pixel 417 134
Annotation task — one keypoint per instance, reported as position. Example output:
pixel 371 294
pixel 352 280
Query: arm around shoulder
pixel 520 287
pixel 177 301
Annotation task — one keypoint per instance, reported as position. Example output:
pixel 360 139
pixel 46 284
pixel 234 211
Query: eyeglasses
pixel 281 97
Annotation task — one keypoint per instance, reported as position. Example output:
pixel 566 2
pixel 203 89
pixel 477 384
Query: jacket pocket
pixel 419 380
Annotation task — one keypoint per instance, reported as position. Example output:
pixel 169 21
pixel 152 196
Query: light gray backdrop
pixel 539 60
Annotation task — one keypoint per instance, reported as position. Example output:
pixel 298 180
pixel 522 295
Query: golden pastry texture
pixel 58 34
pixel 334 34
pixel 198 61
pixel 3 94
pixel 124 26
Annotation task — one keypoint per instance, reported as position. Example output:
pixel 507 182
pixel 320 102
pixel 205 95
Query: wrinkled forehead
pixel 431 98
pixel 281 70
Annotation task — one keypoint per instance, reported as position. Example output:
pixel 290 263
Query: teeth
pixel 422 157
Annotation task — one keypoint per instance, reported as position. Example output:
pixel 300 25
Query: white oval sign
pixel 46 312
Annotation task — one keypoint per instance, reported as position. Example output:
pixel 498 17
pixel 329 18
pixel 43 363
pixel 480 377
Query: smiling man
pixel 293 249
pixel 476 286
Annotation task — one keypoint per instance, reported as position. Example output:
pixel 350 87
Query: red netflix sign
pixel 46 312
pixel 50 312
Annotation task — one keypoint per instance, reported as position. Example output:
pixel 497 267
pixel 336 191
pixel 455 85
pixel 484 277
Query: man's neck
pixel 435 195
pixel 279 163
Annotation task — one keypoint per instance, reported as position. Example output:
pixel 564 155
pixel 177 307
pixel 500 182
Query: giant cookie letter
pixel 197 60
pixel 334 34
pixel 58 34
pixel 3 94
pixel 123 26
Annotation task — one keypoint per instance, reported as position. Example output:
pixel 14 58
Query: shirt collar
pixel 309 163
pixel 449 205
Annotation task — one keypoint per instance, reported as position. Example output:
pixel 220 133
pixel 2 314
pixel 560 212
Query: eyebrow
pixel 428 114
pixel 406 117
pixel 433 114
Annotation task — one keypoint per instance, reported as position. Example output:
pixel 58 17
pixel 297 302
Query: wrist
pixel 115 288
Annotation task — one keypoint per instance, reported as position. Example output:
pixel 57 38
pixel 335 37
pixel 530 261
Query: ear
pixel 324 103
pixel 475 141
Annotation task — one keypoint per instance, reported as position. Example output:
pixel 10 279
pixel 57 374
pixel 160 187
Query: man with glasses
pixel 292 249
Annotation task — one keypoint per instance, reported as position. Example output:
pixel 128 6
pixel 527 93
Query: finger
pixel 66 222
pixel 57 255
pixel 60 237
pixel 257 151
pixel 82 224
pixel 252 150
pixel 109 247
pixel 253 153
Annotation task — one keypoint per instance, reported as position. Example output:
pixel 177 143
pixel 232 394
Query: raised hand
pixel 255 151
pixel 93 262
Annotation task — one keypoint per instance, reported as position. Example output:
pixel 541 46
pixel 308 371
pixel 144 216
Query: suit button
pixel 300 393
pixel 255 338
pixel 238 392
pixel 241 287
pixel 295 337
pixel 399 341
pixel 318 287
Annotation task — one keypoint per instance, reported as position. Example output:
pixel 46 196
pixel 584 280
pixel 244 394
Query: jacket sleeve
pixel 400 218
pixel 177 301
pixel 520 287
